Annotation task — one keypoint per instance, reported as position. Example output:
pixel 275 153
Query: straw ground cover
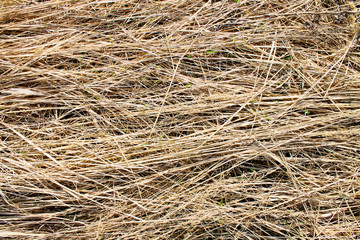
pixel 179 119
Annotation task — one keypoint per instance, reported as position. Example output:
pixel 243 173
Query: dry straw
pixel 179 119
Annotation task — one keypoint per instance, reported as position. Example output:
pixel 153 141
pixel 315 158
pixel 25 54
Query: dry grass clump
pixel 179 120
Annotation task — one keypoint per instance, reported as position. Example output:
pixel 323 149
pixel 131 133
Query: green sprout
pixel 306 112
pixel 288 57
pixel 188 85
pixel 211 51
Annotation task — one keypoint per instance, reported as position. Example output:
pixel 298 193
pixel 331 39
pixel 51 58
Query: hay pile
pixel 147 119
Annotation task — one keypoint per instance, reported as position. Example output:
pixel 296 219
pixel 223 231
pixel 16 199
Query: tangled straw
pixel 179 119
